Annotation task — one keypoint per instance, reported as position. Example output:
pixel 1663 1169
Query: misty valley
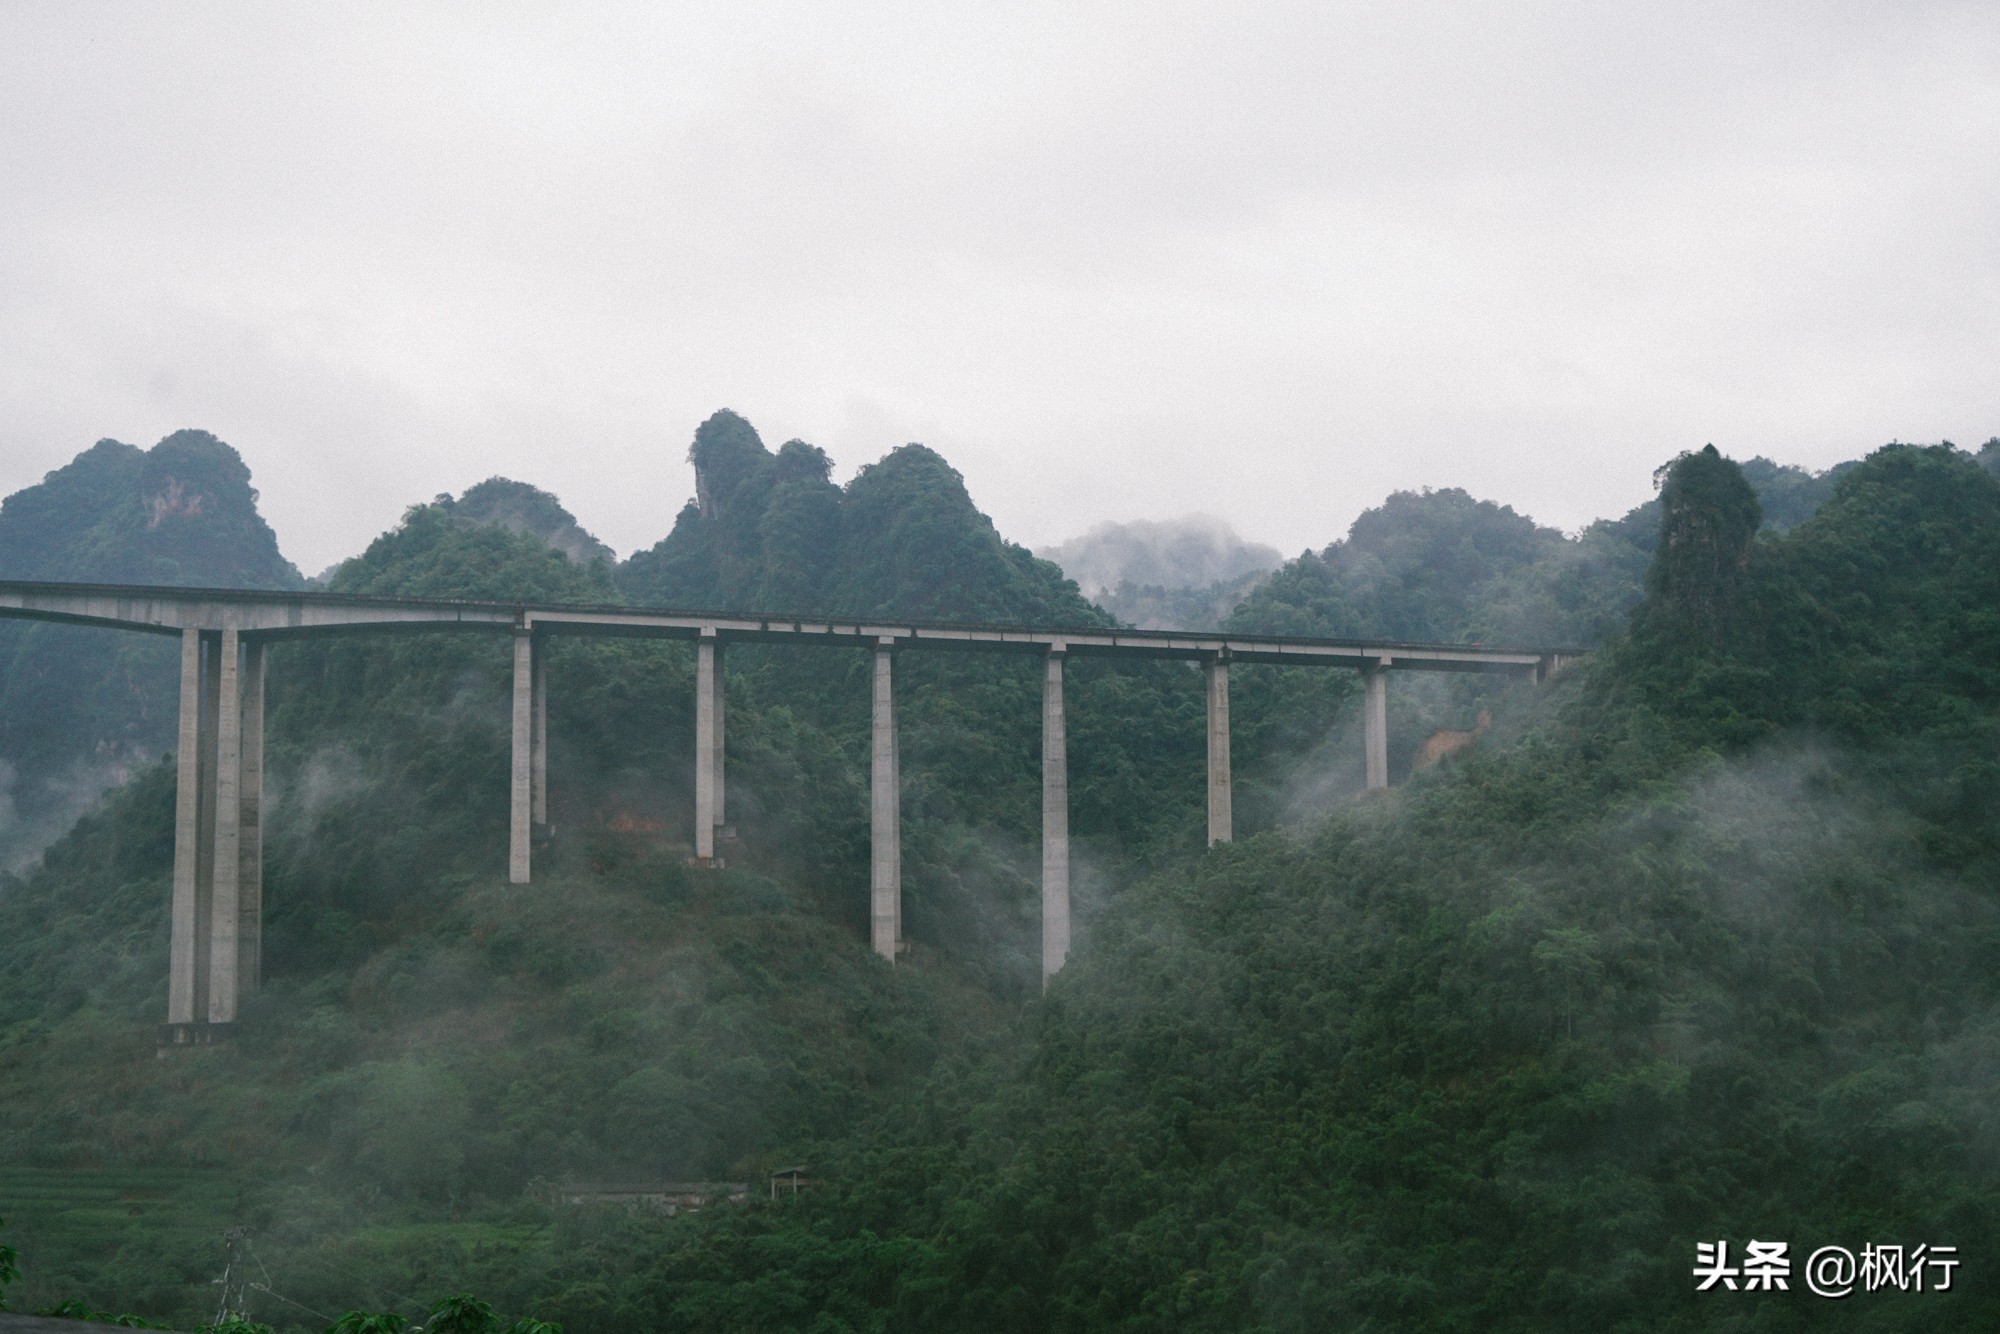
pixel 1588 901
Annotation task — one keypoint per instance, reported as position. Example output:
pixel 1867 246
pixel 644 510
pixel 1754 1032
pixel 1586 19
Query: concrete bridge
pixel 218 833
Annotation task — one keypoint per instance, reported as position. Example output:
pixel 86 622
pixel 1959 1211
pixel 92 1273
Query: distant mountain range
pixel 1697 935
pixel 771 530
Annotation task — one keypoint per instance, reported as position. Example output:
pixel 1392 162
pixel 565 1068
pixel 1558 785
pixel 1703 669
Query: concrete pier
pixel 204 840
pixel 184 970
pixel 1221 819
pixel 539 743
pixel 224 902
pixel 715 756
pixel 1055 820
pixel 521 781
pixel 250 827
pixel 885 828
pixel 1375 723
pixel 216 931
pixel 706 737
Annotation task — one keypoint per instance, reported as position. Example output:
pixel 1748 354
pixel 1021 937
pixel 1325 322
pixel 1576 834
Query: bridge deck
pixel 265 615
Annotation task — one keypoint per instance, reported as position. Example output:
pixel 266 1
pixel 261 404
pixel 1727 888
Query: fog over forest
pixel 1548 881
pixel 1690 943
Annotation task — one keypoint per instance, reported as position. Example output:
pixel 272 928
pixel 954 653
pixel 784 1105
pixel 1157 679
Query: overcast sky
pixel 1113 260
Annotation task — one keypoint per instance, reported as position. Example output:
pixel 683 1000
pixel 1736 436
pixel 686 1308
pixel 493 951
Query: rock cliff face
pixel 79 707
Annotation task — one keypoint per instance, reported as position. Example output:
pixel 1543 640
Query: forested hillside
pixel 1699 943
pixel 81 710
pixel 1442 566
pixel 1704 949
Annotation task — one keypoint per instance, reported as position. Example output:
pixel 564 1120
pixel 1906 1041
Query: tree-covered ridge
pixel 521 508
pixel 79 709
pixel 1686 956
pixel 182 512
pixel 1443 566
pixel 773 532
pixel 435 553
pixel 1698 943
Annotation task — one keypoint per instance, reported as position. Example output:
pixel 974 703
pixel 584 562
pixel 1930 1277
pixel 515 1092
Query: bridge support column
pixel 885 830
pixel 1055 820
pixel 214 949
pixel 226 854
pixel 715 756
pixel 187 972
pixel 250 836
pixel 1221 819
pixel 707 740
pixel 1375 723
pixel 521 810
pixel 538 743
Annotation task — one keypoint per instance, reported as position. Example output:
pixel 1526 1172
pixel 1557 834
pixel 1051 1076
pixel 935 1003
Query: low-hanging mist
pixel 1697 941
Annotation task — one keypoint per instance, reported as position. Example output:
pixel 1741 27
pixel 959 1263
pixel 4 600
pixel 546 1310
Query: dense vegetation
pixel 80 709
pixel 1701 943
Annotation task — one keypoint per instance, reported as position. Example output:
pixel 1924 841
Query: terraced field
pixel 100 1233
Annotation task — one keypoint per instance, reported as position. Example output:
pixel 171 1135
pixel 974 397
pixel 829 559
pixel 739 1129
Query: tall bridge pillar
pixel 721 814
pixel 215 943
pixel 1375 723
pixel 1055 819
pixel 250 825
pixel 707 745
pixel 538 741
pixel 225 900
pixel 187 980
pixel 1220 817
pixel 521 782
pixel 885 826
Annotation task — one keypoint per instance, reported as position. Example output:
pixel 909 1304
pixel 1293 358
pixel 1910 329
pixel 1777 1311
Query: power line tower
pixel 235 1280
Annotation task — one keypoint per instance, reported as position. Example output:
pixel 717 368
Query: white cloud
pixel 1115 261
